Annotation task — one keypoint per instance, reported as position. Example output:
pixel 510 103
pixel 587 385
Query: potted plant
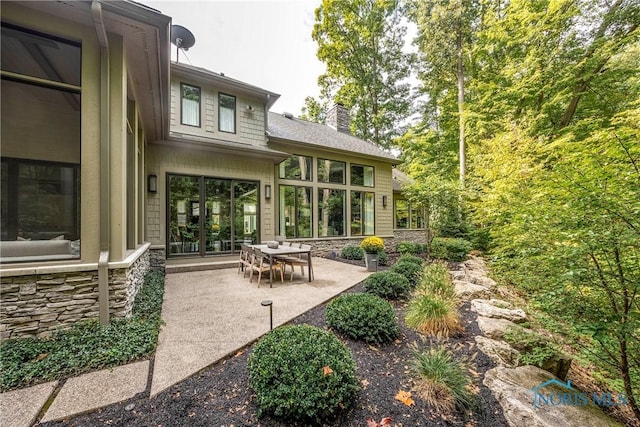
pixel 371 246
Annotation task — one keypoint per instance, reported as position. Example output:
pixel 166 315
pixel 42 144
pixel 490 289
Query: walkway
pixel 208 315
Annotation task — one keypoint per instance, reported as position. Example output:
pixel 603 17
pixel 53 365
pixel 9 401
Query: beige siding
pixel 249 122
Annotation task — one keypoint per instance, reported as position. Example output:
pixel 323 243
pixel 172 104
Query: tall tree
pixel 445 35
pixel 361 42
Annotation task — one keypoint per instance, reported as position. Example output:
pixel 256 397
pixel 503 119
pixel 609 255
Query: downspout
pixel 105 123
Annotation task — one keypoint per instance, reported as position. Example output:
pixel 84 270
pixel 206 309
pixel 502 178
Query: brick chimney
pixel 338 118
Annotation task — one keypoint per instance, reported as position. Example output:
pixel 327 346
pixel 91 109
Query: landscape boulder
pixel 501 353
pixel 516 388
pixel 494 328
pixel 486 309
pixel 468 290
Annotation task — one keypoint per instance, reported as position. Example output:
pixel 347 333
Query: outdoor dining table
pixel 281 250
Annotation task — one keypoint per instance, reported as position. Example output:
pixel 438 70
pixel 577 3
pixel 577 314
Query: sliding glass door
pixel 209 216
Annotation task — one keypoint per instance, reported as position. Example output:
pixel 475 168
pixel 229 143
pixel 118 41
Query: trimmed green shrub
pixel 411 248
pixel 383 258
pixel 302 373
pixel 450 249
pixel 408 269
pixel 387 285
pixel 412 258
pixel 442 380
pixel 363 317
pixel 86 345
pixel 352 252
pixel 436 281
pixel 433 315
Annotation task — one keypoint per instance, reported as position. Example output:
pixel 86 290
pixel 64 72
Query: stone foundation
pixel 39 304
pixel 332 247
pixel 158 259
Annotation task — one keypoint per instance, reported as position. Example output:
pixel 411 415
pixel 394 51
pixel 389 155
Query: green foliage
pixel 409 269
pixel 387 285
pixel 361 43
pixel 436 281
pixel 450 249
pixel 302 373
pixel 433 315
pixel 86 346
pixel 442 380
pixel 352 252
pixel 535 349
pixel 411 258
pixel 411 248
pixel 383 258
pixel 363 317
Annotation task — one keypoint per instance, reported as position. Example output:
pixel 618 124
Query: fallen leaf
pixel 386 421
pixel 364 383
pixel 405 397
pixel 240 353
pixel 373 348
pixel 327 371
pixel 42 356
pixel 371 423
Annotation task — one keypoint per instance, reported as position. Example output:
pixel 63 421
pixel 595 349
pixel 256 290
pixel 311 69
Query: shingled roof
pixel 294 130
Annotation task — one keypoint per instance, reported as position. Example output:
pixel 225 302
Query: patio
pixel 213 313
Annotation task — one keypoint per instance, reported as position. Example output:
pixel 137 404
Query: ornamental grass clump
pixel 302 373
pixel 442 381
pixel 411 270
pixel 436 281
pixel 372 245
pixel 363 317
pixel 433 315
pixel 387 285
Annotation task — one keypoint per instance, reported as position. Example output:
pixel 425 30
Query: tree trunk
pixel 460 73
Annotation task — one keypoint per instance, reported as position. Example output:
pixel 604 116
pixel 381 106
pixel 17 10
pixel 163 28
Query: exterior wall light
pixel 152 183
pixel 267 191
pixel 384 201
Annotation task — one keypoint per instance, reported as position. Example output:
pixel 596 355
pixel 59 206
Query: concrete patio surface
pixel 208 315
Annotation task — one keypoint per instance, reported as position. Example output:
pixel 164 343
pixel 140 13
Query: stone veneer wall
pixel 37 305
pixel 158 259
pixel 332 247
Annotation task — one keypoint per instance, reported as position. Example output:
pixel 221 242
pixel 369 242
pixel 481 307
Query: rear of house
pixel 116 160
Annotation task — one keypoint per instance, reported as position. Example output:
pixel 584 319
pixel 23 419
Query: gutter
pixel 105 157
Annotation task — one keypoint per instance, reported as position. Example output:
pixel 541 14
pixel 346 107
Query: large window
pixel 227 113
pixel 295 211
pixel 331 171
pixel 296 167
pixel 190 105
pixel 40 133
pixel 362 175
pixel 407 216
pixel 331 212
pixel 362 213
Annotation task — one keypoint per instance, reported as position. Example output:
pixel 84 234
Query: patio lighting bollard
pixel 268 303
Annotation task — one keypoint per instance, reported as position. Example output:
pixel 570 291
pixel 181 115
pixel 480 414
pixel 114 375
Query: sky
pixel 266 43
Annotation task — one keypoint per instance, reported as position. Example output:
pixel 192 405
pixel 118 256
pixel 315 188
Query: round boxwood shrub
pixel 387 285
pixel 363 317
pixel 411 270
pixel 352 252
pixel 302 373
pixel 383 258
pixel 412 258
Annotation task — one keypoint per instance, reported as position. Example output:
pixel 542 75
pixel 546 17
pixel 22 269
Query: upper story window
pixel 190 104
pixel 362 175
pixel 227 113
pixel 296 167
pixel 331 171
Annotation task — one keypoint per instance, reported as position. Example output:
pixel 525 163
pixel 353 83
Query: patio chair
pixel 245 260
pixel 302 260
pixel 261 265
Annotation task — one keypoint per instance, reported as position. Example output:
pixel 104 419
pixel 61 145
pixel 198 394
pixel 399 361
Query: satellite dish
pixel 182 39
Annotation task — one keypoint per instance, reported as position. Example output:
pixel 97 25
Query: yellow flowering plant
pixel 372 244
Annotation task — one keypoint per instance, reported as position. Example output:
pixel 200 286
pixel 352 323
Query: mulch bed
pixel 220 395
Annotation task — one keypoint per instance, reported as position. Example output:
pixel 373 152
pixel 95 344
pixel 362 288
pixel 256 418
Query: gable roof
pixel 302 132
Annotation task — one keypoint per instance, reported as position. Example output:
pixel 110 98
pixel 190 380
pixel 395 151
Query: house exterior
pixel 121 160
